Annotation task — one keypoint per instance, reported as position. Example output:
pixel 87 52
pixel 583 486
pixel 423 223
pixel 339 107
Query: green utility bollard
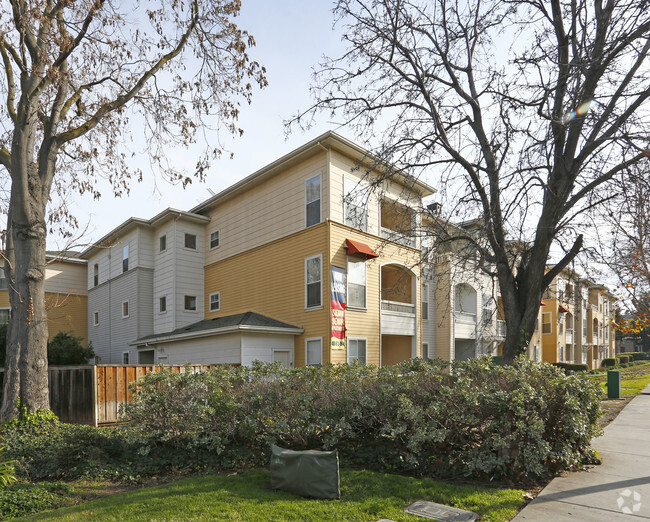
pixel 613 384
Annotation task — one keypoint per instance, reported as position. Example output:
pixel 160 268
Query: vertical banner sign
pixel 338 308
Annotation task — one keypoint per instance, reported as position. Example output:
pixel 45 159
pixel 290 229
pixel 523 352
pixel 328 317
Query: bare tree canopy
pixel 78 76
pixel 528 108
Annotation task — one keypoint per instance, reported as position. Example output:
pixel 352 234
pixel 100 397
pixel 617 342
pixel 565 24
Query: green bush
pixel 636 356
pixel 623 359
pixel 23 499
pixel 608 362
pixel 522 421
pixel 572 367
pixel 65 348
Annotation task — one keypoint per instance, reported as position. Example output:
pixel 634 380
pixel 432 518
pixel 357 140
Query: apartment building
pixel 312 259
pixel 577 321
pixel 65 295
pixel 461 316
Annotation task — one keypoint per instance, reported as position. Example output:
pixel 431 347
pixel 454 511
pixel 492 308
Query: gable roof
pixel 248 321
pixel 327 140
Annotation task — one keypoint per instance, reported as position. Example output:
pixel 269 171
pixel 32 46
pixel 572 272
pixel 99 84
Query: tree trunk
pixel 26 375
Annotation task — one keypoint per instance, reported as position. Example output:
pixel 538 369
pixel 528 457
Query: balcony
pixel 569 337
pixel 398 237
pixel 501 328
pixel 465 317
pixel 397 318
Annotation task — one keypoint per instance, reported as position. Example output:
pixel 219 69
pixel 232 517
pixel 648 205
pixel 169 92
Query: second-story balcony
pixel 397 223
pixel 501 328
pixel 569 337
pixel 398 309
pixel 398 237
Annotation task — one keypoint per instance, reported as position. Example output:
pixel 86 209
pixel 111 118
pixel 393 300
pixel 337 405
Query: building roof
pixel 132 222
pixel 248 321
pixel 323 142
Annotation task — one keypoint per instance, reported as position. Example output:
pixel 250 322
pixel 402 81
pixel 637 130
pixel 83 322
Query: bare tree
pixel 522 108
pixel 81 79
pixel 624 245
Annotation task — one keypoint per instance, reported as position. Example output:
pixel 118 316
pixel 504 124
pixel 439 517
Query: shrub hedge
pixel 572 367
pixel 476 420
pixel 608 362
pixel 623 359
pixel 636 356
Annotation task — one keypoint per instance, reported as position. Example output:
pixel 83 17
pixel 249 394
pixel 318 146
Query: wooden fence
pixel 93 394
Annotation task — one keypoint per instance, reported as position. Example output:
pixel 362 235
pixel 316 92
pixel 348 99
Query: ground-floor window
pixel 357 350
pixel 314 351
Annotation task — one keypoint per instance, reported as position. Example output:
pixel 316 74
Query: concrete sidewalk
pixel 618 489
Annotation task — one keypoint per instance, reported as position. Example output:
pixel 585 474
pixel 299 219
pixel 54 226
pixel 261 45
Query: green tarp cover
pixel 309 473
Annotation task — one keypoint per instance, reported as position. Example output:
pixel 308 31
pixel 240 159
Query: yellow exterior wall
pixel 443 311
pixel 4 299
pixel 549 341
pixel 67 313
pixel 395 348
pixel 270 280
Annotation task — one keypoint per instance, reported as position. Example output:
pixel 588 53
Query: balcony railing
pixel 569 336
pixel 501 328
pixel 394 306
pixel 465 317
pixel 398 237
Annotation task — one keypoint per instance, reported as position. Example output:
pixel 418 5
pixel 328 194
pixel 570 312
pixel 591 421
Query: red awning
pixel 562 310
pixel 542 303
pixel 359 249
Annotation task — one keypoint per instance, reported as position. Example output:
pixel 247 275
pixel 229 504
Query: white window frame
pixel 124 316
pixel 320 199
pixel 96 318
pixel 161 299
pixel 425 300
pixel 307 341
pixel 95 275
pixel 8 313
pixel 125 258
pixel 356 339
pixel 320 305
pixel 218 232
pixel 125 357
pixel 550 322
pixel 162 243
pixel 3 279
pixel 196 304
pixel 425 351
pixel 218 302
pixel 189 234
pixel 365 285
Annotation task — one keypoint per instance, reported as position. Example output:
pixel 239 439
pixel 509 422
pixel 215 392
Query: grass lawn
pixel 365 495
pixel 633 379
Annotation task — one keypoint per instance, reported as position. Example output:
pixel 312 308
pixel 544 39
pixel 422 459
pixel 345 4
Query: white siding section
pixel 394 323
pixel 260 347
pixel 273 209
pixel 164 278
pixel 220 349
pixel 188 274
pixel 66 278
pixel 429 326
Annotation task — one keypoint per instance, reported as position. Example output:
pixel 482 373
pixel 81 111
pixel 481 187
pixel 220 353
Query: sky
pixel 291 37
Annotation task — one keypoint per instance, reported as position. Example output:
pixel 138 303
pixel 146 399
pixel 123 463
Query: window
pixel 357 350
pixel 215 302
pixel 95 274
pixel 96 318
pixel 547 327
pixel 561 353
pixel 125 309
pixel 214 239
pixel 125 357
pixel 125 258
pixel 355 204
pixel 190 302
pixel 313 279
pixel 584 328
pixel 314 351
pixel 312 201
pixel 190 241
pixel 425 351
pixel 560 328
pixel 163 243
pixel 356 283
pixel 4 315
pixel 3 279
pixel 536 353
pixel 425 301
pixel 162 303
